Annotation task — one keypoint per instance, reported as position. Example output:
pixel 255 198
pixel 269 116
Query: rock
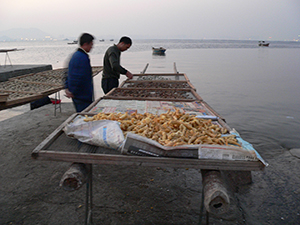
pixel 295 152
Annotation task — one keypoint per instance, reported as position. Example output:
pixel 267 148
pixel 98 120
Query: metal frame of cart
pixel 49 150
pixel 58 147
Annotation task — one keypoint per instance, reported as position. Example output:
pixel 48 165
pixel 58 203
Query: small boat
pixel 159 51
pixel 263 43
pixel 101 40
pixel 111 39
pixel 72 43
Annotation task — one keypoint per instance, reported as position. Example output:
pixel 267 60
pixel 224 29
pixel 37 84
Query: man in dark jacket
pixel 79 82
pixel 111 65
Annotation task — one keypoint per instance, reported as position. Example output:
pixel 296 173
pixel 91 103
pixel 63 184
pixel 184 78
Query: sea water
pixel 256 89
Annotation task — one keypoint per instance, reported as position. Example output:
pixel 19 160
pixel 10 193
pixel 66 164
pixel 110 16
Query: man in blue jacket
pixel 79 82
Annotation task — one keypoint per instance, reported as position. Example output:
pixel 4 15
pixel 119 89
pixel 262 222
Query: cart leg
pixel 202 208
pixel 7 57
pixel 89 196
pixel 57 105
pixel 207 218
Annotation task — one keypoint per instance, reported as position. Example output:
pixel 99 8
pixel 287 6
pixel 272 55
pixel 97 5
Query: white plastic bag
pixel 104 133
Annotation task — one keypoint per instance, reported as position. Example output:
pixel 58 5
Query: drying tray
pixel 154 94
pixel 58 147
pixel 160 76
pixel 157 84
pixel 30 87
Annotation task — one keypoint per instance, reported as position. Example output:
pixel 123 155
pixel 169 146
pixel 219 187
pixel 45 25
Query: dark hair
pixel 125 40
pixel 85 38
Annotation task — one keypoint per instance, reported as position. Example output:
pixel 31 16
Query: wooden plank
pixel 125 160
pixel 196 95
pixel 191 85
pixel 3 97
pixel 25 99
pixel 83 113
pixel 186 77
pixel 92 105
pixel 221 121
pixel 20 101
pixel 212 110
pixel 124 82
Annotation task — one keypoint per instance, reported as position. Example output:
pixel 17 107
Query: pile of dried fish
pixel 171 128
pixel 159 93
pixel 157 85
pixel 24 86
pixel 152 77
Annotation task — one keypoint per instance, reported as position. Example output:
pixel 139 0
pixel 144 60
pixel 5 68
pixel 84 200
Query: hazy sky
pixel 234 19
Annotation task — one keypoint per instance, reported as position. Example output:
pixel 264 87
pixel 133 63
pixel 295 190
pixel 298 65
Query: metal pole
pixel 175 69
pixel 144 71
pixel 201 207
pixel 7 56
pixel 89 196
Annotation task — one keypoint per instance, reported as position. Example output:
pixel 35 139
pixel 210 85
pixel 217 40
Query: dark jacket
pixel 111 63
pixel 79 80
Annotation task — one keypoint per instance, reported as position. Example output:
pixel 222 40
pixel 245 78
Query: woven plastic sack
pixel 103 133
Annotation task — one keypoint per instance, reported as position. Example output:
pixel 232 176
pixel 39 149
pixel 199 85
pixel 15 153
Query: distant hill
pixel 5 38
pixel 24 34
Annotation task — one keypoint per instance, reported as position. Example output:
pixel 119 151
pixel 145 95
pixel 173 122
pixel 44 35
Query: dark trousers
pixel 109 83
pixel 80 105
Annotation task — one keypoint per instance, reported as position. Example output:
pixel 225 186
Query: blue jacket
pixel 79 80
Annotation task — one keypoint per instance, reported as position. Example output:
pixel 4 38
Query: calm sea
pixel 256 89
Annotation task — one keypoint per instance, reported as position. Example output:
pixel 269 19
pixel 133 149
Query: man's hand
pixel 68 94
pixel 129 75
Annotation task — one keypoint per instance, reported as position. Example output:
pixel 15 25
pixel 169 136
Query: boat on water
pixel 159 51
pixel 101 40
pixel 72 43
pixel 263 43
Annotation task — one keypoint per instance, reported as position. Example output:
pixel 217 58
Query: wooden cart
pixel 30 87
pixel 58 147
